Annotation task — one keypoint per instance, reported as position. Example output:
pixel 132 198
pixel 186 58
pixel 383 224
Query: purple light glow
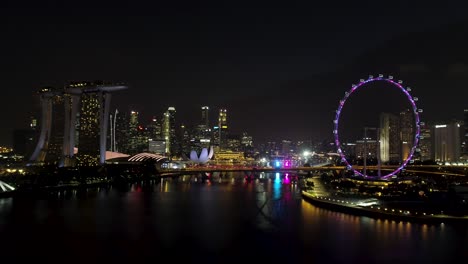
pixel 416 115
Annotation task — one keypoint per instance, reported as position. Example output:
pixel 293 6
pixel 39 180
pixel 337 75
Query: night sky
pixel 280 68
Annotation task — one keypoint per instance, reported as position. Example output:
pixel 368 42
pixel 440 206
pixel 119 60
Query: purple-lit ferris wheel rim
pixel 416 119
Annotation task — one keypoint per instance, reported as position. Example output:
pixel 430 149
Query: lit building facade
pixel 154 128
pixel 49 148
pixel 133 133
pixel 425 143
pixel 157 146
pixel 406 133
pixel 222 129
pixel 205 118
pixel 465 136
pixel 89 140
pixel 371 146
pixel 174 142
pixel 389 138
pixel 166 132
pixel 82 103
pixel 286 147
pixel 447 142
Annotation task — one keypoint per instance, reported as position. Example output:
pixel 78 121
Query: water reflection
pixel 192 215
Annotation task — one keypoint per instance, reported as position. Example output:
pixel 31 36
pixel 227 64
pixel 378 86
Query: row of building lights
pixel 388 210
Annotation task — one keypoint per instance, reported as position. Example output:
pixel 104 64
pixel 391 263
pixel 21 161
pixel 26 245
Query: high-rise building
pixel 286 147
pixel 49 148
pixel 247 145
pixel 406 133
pixel 465 136
pixel 425 143
pixel 157 146
pixel 89 140
pixel 366 145
pixel 175 144
pixel 246 140
pixel 205 119
pixel 133 133
pixel 233 143
pixel 166 132
pixel 154 129
pixel 447 142
pixel 122 127
pixel 389 138
pixel 83 103
pixel 222 129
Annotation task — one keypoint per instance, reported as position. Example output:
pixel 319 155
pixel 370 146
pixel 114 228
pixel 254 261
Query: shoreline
pixel 381 213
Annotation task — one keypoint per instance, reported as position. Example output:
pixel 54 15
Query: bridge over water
pixel 441 170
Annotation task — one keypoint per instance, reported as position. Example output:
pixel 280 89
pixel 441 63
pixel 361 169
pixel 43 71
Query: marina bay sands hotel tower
pixel 75 117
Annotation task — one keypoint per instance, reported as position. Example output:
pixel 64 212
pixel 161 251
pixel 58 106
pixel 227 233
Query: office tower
pixel 286 147
pixel 465 136
pixel 389 138
pixel 154 129
pixel 157 146
pixel 122 124
pixel 166 132
pixel 406 133
pixel 246 140
pixel 222 128
pixel 233 143
pixel 205 120
pixel 366 148
pixel 133 133
pixel 175 142
pixel 447 142
pixel 425 143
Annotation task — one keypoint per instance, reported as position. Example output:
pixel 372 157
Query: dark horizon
pixel 279 69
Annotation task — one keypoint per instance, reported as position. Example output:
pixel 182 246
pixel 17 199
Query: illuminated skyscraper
pixel 205 119
pixel 447 142
pixel 83 103
pixel 406 133
pixel 166 131
pixel 133 133
pixel 91 100
pixel 122 124
pixel 88 151
pixel 286 147
pixel 389 138
pixel 222 128
pixel 174 142
pixel 49 147
pixel 154 129
pixel 425 143
pixel 465 136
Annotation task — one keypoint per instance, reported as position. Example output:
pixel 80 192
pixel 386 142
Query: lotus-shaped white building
pixel 204 155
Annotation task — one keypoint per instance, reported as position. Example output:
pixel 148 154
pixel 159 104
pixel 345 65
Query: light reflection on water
pixel 217 214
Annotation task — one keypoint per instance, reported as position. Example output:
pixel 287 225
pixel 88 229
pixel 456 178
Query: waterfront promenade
pixel 373 207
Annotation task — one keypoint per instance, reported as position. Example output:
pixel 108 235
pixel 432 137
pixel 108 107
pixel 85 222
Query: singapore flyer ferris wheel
pixel 412 100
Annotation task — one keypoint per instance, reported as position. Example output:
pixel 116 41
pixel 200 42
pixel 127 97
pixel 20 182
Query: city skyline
pixel 275 62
